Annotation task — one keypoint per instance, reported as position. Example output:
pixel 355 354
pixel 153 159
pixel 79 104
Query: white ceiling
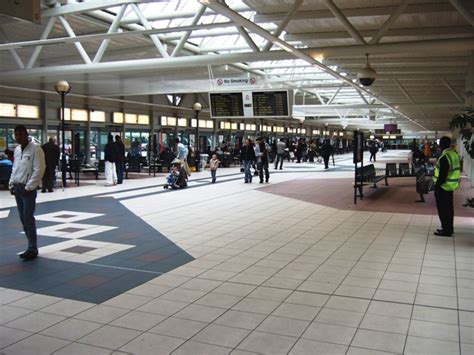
pixel 421 56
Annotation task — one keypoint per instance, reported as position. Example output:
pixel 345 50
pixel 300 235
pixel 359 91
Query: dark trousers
pixel 119 168
pixel 263 166
pixel 372 155
pixel 26 203
pixel 213 175
pixel 48 179
pixel 444 203
pixel 326 161
pixel 279 159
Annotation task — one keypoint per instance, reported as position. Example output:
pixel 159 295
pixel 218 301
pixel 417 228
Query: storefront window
pixel 97 116
pixel 117 117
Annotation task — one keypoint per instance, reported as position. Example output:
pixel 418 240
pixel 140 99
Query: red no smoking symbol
pixel 220 82
pixel 253 80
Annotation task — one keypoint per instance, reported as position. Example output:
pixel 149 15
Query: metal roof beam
pixel 436 46
pixel 463 10
pixel 395 32
pixel 180 14
pixel 77 8
pixel 226 11
pixel 434 6
pixel 78 45
pixel 390 21
pixel 451 89
pixel 161 48
pixel 116 35
pixel 344 21
pixel 186 35
pixel 282 25
pixel 248 39
pixel 113 29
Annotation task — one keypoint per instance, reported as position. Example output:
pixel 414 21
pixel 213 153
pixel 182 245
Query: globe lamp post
pixel 63 88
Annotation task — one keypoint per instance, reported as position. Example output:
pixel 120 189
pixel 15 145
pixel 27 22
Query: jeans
pixel 279 158
pixel 213 175
pixel 26 203
pixel 247 172
pixel 261 167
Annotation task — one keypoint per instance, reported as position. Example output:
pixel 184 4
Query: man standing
pixel 110 157
pixel 280 153
pixel 373 149
pixel 326 152
pixel 51 157
pixel 446 177
pixel 182 155
pixel 28 169
pixel 247 156
pixel 261 152
pixel 120 163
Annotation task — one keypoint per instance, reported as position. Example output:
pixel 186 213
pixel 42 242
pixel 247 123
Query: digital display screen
pixel 390 128
pixel 227 104
pixel 270 103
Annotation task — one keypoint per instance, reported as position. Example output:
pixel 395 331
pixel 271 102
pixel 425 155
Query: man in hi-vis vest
pixel 446 178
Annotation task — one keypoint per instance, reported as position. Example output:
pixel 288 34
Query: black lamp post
pixel 197 107
pixel 63 88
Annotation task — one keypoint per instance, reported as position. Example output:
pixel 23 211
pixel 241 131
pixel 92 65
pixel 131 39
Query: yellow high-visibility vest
pixel 454 173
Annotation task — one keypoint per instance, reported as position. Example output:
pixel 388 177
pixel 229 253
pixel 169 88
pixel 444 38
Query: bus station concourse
pixel 237 177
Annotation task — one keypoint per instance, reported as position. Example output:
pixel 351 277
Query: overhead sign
pixel 270 103
pixel 248 104
pixel 25 9
pixel 227 104
pixel 234 82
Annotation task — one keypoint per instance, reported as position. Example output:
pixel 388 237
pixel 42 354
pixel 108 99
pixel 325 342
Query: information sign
pixel 270 103
pixel 227 104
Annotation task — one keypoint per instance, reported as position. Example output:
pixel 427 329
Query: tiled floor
pixel 250 272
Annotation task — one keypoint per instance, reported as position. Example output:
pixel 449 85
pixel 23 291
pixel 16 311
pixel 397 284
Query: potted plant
pixel 464 121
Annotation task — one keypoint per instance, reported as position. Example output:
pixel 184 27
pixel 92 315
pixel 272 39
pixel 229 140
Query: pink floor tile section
pixel 398 197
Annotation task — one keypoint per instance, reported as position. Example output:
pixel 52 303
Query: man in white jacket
pixel 28 169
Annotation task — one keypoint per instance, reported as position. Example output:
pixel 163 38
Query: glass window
pixel 27 111
pixel 209 124
pixel 242 126
pixel 130 118
pixel 193 122
pixel 67 114
pixel 233 126
pixel 202 123
pixel 117 117
pixel 168 121
pixel 97 116
pixel 316 131
pixel 182 122
pixel 144 119
pixel 79 115
pixel 7 110
pixel 171 121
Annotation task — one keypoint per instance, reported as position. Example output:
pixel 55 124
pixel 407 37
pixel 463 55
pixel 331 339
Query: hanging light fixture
pixel 367 75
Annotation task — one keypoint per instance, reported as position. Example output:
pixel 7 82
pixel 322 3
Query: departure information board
pixel 270 103
pixel 227 104
pixel 249 104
